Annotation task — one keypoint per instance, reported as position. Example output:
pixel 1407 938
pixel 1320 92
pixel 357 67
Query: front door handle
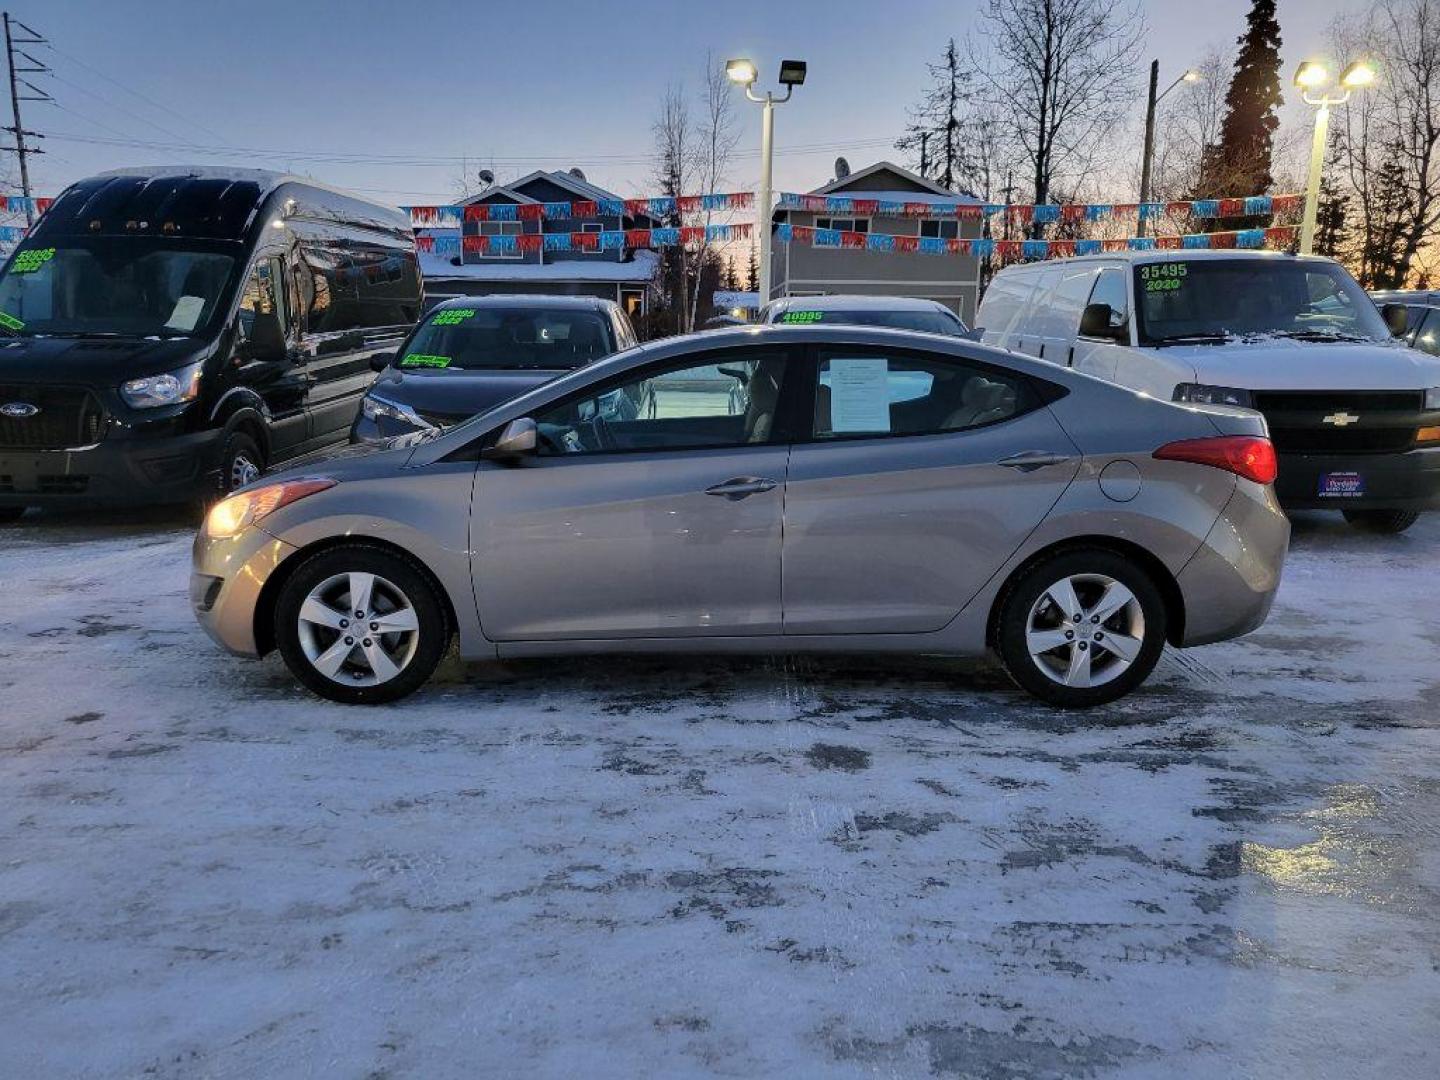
pixel 1029 460
pixel 737 487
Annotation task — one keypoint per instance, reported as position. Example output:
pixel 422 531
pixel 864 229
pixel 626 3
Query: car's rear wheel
pixel 1081 628
pixel 360 625
pixel 1387 522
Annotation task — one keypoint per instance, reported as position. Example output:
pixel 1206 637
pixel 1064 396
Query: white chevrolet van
pixel 1353 412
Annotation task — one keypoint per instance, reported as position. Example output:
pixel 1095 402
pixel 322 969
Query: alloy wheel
pixel 1085 630
pixel 358 629
pixel 242 471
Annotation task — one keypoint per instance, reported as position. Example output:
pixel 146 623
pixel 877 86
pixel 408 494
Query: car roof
pixel 856 302
pixel 523 301
pixel 1155 255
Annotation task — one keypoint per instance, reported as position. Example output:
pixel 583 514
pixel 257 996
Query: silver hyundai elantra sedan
pixel 777 489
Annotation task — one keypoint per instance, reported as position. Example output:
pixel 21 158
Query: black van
pixel 168 333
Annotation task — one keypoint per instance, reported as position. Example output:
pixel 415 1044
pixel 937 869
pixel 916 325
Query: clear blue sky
pixel 546 83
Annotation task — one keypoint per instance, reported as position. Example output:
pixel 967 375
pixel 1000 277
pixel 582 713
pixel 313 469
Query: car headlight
pixel 233 515
pixel 375 409
pixel 1432 398
pixel 1200 394
pixel 170 388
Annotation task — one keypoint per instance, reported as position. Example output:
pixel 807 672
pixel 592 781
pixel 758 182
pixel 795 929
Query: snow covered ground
pixel 788 867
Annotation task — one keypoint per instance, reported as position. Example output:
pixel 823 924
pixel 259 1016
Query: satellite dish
pixel 575 172
pixel 842 168
pixel 487 177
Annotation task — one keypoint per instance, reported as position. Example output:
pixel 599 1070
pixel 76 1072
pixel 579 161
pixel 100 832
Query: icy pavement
pixel 792 868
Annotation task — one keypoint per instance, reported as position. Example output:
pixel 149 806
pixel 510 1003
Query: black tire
pixel 432 634
pixel 1384 522
pixel 240 454
pixel 1025 592
pixel 11 514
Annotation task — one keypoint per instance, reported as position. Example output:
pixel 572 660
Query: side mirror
pixel 1397 318
pixel 381 360
pixel 1095 322
pixel 517 439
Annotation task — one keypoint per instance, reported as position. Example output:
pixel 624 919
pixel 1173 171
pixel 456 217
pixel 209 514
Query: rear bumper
pixel 1230 583
pixel 113 472
pixel 1404 481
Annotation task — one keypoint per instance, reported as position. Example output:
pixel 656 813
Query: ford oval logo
pixel 19 410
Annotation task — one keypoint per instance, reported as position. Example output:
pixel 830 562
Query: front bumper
pixel 114 472
pixel 227 577
pixel 1230 583
pixel 1402 481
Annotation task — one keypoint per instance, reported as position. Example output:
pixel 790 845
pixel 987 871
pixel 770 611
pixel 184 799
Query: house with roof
pixel 805 270
pixel 624 276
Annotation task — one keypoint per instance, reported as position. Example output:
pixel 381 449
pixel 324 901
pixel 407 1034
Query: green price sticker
pixel 802 316
pixel 27 262
pixel 6 319
pixel 424 360
pixel 452 317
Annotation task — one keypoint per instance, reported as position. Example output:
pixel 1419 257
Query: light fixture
pixel 1360 73
pixel 1311 75
pixel 1192 76
pixel 792 72
pixel 740 71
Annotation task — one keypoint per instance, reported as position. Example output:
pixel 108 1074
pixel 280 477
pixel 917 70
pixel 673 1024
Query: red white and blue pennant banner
pixel 1276 235
pixel 451 217
pixel 18 204
pixel 609 240
pixel 1042 213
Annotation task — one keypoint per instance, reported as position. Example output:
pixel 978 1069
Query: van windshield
pixel 1211 301
pixel 114 286
pixel 520 337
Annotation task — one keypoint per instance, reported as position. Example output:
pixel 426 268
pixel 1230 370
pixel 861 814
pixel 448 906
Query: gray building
pixel 953 280
pixel 621 275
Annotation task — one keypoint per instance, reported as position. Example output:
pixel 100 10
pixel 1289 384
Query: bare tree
pixel 1061 74
pixel 1389 139
pixel 715 139
pixel 675 166
pixel 1189 122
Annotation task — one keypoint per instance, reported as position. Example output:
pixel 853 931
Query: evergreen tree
pixel 729 280
pixel 1332 236
pixel 1240 163
pixel 932 137
pixel 752 271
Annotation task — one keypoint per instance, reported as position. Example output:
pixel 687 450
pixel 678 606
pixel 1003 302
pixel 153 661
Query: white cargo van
pixel 1353 412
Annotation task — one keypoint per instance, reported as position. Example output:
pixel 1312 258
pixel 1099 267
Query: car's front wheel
pixel 1081 628
pixel 1387 522
pixel 360 625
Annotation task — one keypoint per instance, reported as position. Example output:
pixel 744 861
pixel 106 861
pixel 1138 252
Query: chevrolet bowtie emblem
pixel 1340 419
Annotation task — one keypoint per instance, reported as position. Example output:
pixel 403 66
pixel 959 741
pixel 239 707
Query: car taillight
pixel 1249 456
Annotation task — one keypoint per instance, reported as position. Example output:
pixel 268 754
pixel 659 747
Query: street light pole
pixel 792 74
pixel 1313 79
pixel 1149 152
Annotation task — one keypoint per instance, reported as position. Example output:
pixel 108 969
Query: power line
pixel 133 92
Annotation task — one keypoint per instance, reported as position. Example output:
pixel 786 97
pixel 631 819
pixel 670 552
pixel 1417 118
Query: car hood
pixel 1287 364
pixel 448 394
pixel 101 360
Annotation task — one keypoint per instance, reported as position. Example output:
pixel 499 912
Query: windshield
pixel 125 286
pixel 490 338
pixel 1216 300
pixel 929 322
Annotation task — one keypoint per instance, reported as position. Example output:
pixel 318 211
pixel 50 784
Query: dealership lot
pixel 730 866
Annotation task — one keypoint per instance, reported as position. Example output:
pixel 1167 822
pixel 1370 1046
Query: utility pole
pixel 925 154
pixel 20 150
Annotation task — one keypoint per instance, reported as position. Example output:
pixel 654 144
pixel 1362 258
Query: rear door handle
pixel 1029 460
pixel 737 487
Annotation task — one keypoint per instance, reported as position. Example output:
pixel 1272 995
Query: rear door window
pixel 871 393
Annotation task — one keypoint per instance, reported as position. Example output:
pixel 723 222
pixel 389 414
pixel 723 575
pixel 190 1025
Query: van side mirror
pixel 1397 318
pixel 1096 321
pixel 381 360
pixel 518 439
